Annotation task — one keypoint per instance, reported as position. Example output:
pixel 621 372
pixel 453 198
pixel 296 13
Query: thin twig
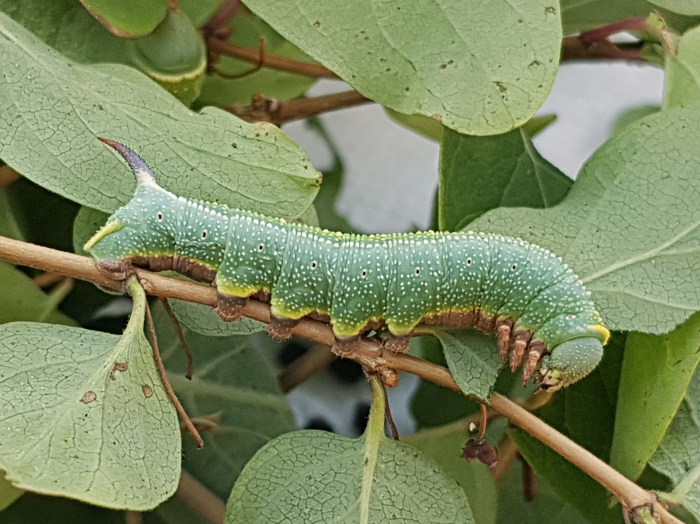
pixel 166 381
pixel 49 278
pixel 7 176
pixel 389 417
pixel 484 420
pixel 133 517
pixel 218 46
pixel 595 45
pixel 507 451
pixel 304 367
pixel 367 352
pixel 200 499
pixel 264 109
pixel 222 17
pixel 529 481
pixel 181 336
pixel 261 62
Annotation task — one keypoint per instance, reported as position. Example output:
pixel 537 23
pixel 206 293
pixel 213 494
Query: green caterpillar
pixel 522 292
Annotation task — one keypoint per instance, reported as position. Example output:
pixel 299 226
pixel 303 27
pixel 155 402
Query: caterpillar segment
pixel 542 316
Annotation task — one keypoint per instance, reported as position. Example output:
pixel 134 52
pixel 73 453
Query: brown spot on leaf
pixel 88 397
pixel 147 391
pixel 118 366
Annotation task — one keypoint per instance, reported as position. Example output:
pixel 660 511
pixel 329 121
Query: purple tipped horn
pixel 138 165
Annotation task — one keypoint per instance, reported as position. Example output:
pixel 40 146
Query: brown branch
pixel 219 47
pixel 263 109
pixel 166 382
pixel 304 367
pixel 133 517
pixel 181 336
pixel 595 45
pixel 507 451
pixel 368 352
pixel 7 176
pixel 200 499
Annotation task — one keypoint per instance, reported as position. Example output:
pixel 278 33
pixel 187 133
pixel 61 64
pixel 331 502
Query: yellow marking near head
pixel 603 331
pixel 109 228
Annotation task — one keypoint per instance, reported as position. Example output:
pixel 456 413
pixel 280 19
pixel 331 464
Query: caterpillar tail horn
pixel 143 173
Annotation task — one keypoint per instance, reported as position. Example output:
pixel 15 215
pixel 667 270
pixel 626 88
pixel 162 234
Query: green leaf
pixel 79 36
pixel 326 200
pixel 234 389
pixel 615 230
pixel 128 18
pixel 578 15
pixel 200 319
pixel 545 508
pixel 656 372
pixel 682 7
pixel 435 405
pixel 8 493
pixel 481 173
pixel 9 225
pixel 23 300
pixel 48 134
pixel 418 56
pixel 567 481
pixel 425 125
pixel 314 476
pixel 678 455
pixel 683 72
pixel 33 508
pixel 275 83
pixel 444 445
pixel 201 11
pixel 472 357
pixel 77 426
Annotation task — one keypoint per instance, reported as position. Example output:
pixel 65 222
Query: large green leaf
pixel 678 455
pixel 33 508
pixel 314 476
pixel 481 173
pixel 446 59
pixel 579 15
pixel 84 414
pixel 51 110
pixel 545 508
pixel 655 375
pixel 683 72
pixel 200 319
pixel 566 480
pixel 444 445
pixel 236 388
pixel 682 7
pixel 472 357
pixel 79 36
pixel 8 493
pixel 128 18
pixel 629 225
pixel 23 300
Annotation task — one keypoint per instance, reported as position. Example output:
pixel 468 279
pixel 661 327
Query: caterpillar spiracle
pixel 538 308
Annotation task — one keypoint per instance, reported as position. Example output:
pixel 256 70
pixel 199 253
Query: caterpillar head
pixel 570 361
pixel 141 228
